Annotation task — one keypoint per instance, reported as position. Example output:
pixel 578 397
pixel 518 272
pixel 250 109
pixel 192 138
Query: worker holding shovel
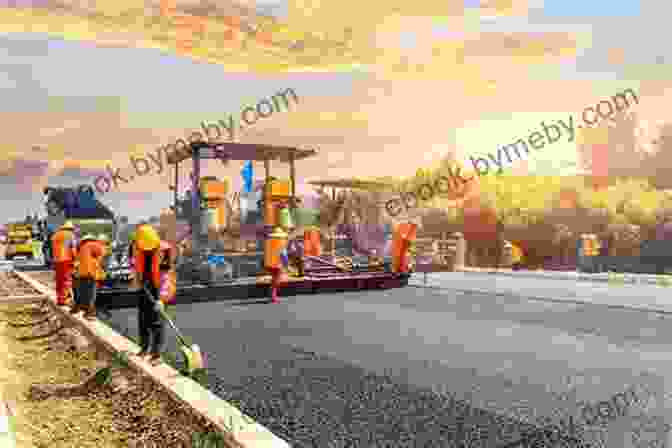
pixel 147 255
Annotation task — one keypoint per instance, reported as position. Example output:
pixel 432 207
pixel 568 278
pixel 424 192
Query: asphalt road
pixel 535 360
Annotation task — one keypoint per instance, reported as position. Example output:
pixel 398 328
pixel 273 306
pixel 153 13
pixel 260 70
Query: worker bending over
pixel 153 262
pixel 91 253
pixel 64 252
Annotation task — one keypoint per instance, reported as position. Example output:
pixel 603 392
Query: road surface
pixel 379 368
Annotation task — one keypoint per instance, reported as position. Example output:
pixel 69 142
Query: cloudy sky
pixel 383 89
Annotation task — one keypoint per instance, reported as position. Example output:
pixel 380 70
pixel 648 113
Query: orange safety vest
pixel 63 246
pixel 156 260
pixel 404 234
pixel 311 242
pixel 90 255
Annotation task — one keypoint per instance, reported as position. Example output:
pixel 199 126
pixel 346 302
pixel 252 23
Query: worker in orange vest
pixel 148 255
pixel 403 242
pixel 91 253
pixel 64 251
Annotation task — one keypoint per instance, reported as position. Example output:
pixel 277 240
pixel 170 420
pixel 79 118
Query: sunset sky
pixel 83 86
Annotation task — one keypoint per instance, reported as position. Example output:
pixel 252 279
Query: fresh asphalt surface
pixel 510 346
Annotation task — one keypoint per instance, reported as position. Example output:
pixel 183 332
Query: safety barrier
pixel 200 400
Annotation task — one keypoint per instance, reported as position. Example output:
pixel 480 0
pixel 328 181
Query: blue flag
pixel 248 175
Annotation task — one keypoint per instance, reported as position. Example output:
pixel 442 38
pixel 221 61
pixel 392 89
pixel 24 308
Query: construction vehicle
pixel 79 206
pixel 19 242
pixel 220 257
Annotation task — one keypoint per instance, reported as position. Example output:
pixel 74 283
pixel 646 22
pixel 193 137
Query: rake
pixel 193 357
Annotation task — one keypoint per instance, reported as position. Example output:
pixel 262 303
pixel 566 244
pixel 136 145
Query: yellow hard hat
pixel 88 236
pixel 147 238
pixel 68 225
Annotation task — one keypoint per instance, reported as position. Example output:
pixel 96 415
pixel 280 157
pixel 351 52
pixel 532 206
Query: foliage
pixel 199 375
pixel 208 440
pixel 119 361
pixel 551 212
pixel 535 211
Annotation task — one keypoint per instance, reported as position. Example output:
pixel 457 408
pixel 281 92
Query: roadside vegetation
pixel 547 214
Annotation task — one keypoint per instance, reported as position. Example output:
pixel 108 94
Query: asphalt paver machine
pixel 206 262
pixel 209 271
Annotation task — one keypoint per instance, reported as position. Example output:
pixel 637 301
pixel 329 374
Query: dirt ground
pixel 139 416
pixel 11 379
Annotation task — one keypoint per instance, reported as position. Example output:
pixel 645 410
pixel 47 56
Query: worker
pixel 147 255
pixel 64 253
pixel 91 253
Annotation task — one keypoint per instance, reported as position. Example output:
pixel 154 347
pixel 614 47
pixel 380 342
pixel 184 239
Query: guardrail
pixel 201 401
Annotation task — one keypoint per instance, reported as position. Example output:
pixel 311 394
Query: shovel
pixel 193 358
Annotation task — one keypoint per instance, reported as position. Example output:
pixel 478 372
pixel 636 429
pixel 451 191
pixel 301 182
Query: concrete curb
pixel 245 431
pixel 660 280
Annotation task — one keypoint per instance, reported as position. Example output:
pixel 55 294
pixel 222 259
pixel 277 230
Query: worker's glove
pixel 159 307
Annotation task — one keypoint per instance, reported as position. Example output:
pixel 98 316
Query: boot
pixel 90 313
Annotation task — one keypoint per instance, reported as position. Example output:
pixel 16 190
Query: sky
pixel 87 86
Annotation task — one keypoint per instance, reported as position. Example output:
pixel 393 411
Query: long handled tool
pixel 193 357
